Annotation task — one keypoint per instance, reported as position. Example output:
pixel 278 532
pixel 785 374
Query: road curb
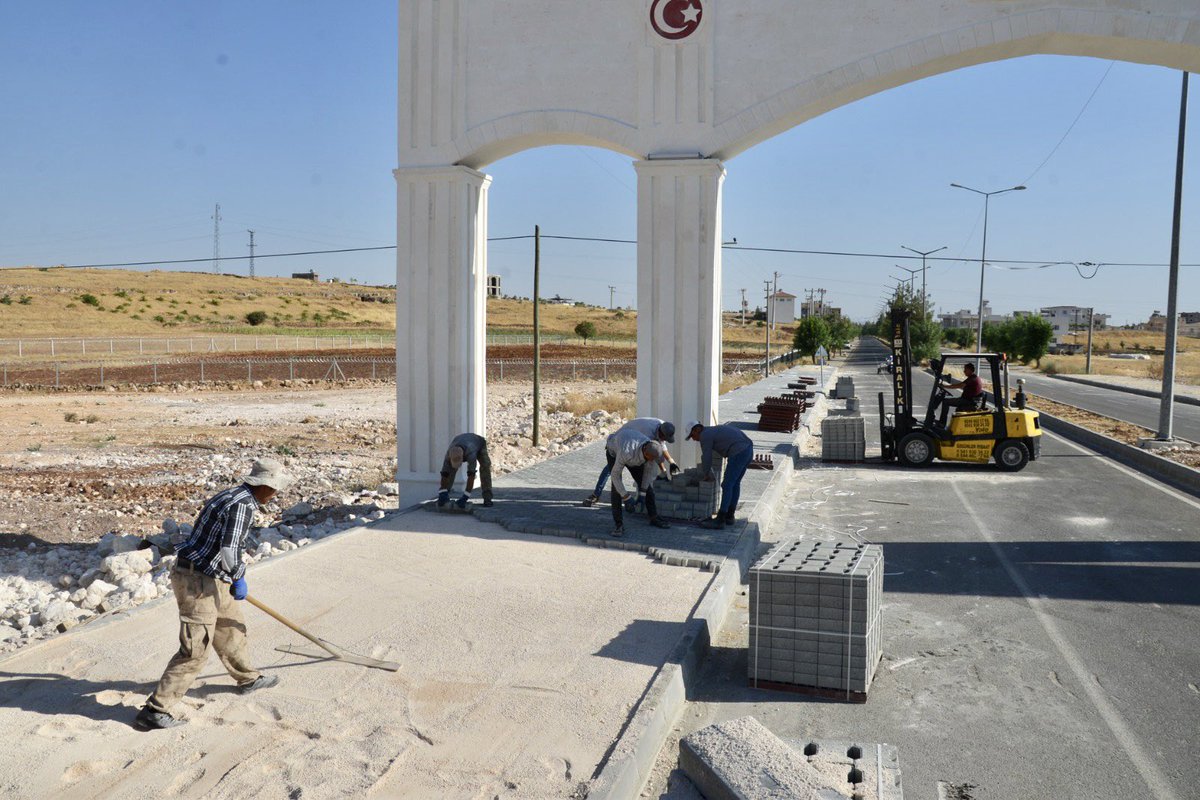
pixel 1179 398
pixel 1178 475
pixel 637 747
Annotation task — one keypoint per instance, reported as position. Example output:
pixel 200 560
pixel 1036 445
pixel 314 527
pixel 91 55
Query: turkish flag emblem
pixel 675 19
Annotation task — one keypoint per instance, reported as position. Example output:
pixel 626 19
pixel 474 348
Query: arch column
pixel 441 277
pixel 679 293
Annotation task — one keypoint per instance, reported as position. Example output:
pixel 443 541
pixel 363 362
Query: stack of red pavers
pixel 780 414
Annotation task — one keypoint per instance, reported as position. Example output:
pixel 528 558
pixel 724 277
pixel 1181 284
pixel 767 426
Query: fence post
pixel 19 348
pixel 573 370
pixel 102 376
pixel 605 370
pixel 83 346
pixel 6 374
pixel 501 370
pixel 56 376
pixel 372 369
pixel 52 348
pixel 140 348
pixel 168 341
pixel 202 370
pixel 156 372
pixel 249 371
pixel 291 369
pixel 110 346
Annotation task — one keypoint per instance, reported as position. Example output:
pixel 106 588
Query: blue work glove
pixel 239 589
pixel 674 468
pixel 631 503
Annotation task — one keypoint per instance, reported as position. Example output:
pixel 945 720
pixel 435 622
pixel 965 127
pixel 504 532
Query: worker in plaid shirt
pixel 209 580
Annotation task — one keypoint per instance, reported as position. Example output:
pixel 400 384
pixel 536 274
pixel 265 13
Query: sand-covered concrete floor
pixel 521 657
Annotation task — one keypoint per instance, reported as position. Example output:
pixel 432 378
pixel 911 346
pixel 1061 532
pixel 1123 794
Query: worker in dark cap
pixel 469 448
pixel 654 429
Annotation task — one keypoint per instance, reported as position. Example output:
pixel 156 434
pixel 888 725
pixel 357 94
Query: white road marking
pixel 1155 780
pixel 1162 487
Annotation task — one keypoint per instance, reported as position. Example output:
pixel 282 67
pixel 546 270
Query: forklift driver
pixel 972 393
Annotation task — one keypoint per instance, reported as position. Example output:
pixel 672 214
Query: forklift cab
pixel 996 365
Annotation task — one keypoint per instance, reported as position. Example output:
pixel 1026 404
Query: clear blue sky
pixel 125 122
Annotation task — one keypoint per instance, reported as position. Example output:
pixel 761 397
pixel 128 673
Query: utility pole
pixel 251 251
pixel 821 304
pixel 767 360
pixel 1091 322
pixel 743 308
pixel 1166 410
pixel 217 239
pixel 537 336
pixel 774 300
pixel 611 289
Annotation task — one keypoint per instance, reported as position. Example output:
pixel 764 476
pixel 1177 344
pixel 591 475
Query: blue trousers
pixel 604 473
pixel 731 481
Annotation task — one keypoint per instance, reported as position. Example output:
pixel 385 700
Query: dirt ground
pixel 1121 431
pixel 76 465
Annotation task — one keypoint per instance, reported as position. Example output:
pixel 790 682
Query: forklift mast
pixel 901 372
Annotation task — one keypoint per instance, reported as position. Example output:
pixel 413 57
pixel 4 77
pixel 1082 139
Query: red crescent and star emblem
pixel 675 19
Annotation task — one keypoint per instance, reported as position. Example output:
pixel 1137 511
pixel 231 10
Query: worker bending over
pixel 737 450
pixel 655 430
pixel 209 579
pixel 630 450
pixel 972 392
pixel 471 448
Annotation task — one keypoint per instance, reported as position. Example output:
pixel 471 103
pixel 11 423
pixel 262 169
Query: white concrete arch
pixel 1167 40
pixel 679 85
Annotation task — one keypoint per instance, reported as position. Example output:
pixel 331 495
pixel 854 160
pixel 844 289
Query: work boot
pixel 619 531
pixel 153 720
pixel 590 500
pixel 487 502
pixel 261 682
pixel 659 522
pixel 729 517
pixel 461 502
pixel 443 499
pixel 714 523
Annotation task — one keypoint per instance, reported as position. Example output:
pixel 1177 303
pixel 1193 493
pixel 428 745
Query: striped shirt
pixel 218 539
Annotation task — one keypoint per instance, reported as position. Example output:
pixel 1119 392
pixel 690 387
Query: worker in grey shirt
pixel 471 448
pixel 652 428
pixel 630 450
pixel 737 449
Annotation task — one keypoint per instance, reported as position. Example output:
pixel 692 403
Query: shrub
pixel 70 416
pixel 159 318
pixel 256 317
pixel 90 299
pixel 6 300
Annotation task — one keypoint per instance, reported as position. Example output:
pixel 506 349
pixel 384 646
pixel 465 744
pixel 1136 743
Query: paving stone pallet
pixel 815 617
pixel 843 438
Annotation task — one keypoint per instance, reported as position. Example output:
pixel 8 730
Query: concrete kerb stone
pixel 1179 398
pixel 1162 469
pixel 636 749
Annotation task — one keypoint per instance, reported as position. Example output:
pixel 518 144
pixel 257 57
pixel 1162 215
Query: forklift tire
pixel 916 450
pixel 1011 455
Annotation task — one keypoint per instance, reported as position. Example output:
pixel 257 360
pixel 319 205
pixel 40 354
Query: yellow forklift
pixel 1010 434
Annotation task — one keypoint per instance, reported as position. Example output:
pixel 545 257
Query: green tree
pixel 812 333
pixel 841 331
pixel 585 330
pixel 256 317
pixel 924 334
pixel 1024 339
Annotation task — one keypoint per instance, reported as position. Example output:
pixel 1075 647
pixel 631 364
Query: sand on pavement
pixel 521 656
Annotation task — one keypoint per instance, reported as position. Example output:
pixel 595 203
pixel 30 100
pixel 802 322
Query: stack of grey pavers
pixel 844 388
pixel 843 438
pixel 815 615
pixel 686 496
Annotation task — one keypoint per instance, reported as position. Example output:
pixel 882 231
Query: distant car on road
pixel 884 366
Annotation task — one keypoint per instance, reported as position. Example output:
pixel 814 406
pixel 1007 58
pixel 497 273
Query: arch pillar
pixel 679 293
pixel 441 293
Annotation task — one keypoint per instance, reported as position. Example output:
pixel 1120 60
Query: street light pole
pixel 1166 408
pixel 923 256
pixel 983 254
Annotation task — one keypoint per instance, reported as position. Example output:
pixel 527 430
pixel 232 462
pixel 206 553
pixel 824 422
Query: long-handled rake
pixel 338 653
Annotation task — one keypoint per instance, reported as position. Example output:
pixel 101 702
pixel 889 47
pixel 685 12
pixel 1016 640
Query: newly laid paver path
pixel 546 498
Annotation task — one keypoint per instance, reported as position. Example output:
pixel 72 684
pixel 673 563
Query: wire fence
pixel 60 375
pixel 169 345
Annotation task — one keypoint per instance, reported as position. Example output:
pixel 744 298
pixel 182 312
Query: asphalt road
pixel 1133 408
pixel 1040 628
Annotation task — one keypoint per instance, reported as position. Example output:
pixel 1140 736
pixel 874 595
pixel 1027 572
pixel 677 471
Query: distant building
pixel 1157 322
pixel 493 286
pixel 783 308
pixel 969 317
pixel 1067 320
pixel 307 276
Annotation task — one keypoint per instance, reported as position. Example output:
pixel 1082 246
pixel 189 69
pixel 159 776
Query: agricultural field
pixel 1115 340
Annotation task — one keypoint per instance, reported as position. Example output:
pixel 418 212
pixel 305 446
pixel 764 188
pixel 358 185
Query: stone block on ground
pixel 742 760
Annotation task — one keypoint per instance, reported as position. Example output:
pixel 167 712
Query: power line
pixel 1071 127
pixel 744 248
